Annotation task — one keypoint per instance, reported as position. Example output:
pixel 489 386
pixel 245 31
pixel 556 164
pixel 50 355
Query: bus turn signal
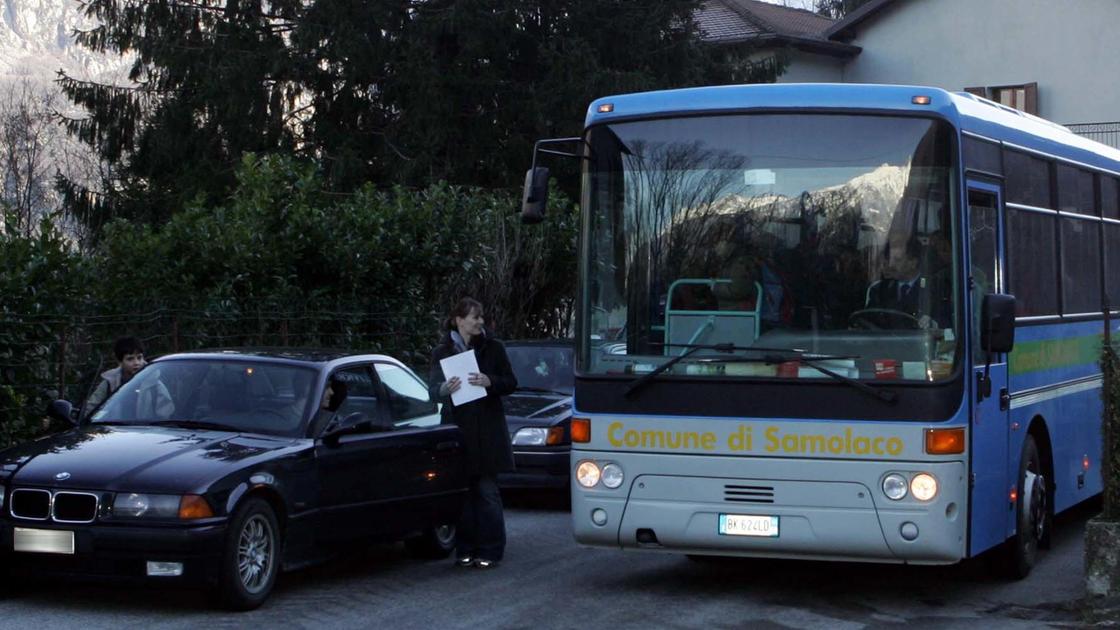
pixel 581 430
pixel 945 441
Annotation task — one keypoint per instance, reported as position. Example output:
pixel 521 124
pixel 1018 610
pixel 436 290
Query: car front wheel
pixel 436 542
pixel 251 558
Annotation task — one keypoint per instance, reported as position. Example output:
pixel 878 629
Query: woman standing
pixel 481 531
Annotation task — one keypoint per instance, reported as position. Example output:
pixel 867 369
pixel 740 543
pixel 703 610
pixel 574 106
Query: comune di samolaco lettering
pixel 774 440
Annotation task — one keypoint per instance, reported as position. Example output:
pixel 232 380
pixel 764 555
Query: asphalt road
pixel 548 581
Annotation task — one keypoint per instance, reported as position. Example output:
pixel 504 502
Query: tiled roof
pixel 785 20
pixel 728 21
pixel 719 22
pixel 745 19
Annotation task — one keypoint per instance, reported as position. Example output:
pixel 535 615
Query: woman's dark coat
pixel 482 421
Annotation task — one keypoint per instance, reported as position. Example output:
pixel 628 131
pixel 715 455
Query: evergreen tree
pixel 387 91
pixel 211 80
pixel 837 9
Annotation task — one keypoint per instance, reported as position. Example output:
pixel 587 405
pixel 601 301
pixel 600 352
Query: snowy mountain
pixel 36 40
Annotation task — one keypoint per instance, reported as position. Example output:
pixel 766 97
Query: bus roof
pixel 966 112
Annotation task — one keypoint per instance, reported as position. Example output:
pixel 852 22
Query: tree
pixel 373 90
pixel 210 82
pixel 482 79
pixel 837 9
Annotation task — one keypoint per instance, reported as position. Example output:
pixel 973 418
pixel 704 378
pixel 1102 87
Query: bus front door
pixel 989 432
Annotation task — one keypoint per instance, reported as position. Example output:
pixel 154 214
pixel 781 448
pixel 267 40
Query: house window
pixel 1021 97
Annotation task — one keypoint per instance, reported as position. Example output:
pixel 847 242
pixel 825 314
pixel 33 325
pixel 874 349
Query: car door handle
pixel 447 446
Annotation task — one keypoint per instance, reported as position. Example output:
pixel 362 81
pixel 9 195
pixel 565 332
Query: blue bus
pixel 842 322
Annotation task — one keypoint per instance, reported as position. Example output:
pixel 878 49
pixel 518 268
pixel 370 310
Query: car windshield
pixel 543 367
pixel 765 238
pixel 248 396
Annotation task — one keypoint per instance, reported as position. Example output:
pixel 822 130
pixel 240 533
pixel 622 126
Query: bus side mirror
pixel 535 198
pixel 997 323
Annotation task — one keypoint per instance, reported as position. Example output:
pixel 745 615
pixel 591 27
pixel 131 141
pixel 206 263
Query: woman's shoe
pixel 464 561
pixel 485 564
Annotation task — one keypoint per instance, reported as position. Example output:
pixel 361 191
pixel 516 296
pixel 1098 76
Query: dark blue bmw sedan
pixel 224 468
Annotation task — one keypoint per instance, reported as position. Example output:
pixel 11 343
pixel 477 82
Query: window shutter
pixel 1031 106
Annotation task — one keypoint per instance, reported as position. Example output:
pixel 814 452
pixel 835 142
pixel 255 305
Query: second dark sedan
pixel 539 413
pixel 224 468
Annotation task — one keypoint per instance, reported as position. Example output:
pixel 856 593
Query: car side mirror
pixel 997 323
pixel 535 197
pixel 349 424
pixel 62 411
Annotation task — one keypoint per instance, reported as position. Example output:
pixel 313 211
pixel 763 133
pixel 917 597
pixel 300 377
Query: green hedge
pixel 282 262
pixel 1110 427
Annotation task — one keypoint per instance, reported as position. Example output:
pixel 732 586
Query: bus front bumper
pixel 824 509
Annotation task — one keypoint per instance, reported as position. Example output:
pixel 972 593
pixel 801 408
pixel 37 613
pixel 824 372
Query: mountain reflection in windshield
pixel 827 233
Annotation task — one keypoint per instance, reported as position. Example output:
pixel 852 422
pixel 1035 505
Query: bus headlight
pixel 612 476
pixel 894 486
pixel 587 474
pixel 923 486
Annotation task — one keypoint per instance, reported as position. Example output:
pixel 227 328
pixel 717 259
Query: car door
pixel 363 474
pixel 436 481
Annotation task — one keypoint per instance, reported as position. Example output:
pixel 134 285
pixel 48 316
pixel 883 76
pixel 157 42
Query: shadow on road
pixel 542 499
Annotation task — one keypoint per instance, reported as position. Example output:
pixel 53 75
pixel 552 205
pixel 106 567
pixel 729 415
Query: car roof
pixel 314 357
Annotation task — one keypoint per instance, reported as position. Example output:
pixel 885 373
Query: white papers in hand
pixel 462 365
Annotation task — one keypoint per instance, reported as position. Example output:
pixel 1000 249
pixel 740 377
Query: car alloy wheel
pixel 256 553
pixel 252 555
pixel 433 543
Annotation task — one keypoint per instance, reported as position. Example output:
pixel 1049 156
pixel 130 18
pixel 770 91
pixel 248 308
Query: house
pixel 1057 60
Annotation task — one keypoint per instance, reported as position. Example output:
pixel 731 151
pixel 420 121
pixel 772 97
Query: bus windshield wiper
pixel 649 376
pixel 811 361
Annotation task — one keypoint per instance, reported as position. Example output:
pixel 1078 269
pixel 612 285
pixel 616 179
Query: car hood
pixel 140 459
pixel 536 409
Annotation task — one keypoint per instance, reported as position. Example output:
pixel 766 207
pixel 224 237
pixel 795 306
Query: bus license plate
pixel 748 525
pixel 43 540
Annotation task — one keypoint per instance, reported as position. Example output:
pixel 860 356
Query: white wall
pixel 813 68
pixel 1071 48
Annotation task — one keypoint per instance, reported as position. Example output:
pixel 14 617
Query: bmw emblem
pixel 62 476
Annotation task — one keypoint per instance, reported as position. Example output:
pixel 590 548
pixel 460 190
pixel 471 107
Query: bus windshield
pixel 765 246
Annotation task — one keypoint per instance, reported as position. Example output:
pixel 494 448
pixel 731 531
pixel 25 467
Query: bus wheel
pixel 1031 514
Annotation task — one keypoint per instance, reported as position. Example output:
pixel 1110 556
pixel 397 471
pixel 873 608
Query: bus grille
pixel 748 494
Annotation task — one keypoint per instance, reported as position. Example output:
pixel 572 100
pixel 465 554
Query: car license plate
pixel 43 540
pixel 748 525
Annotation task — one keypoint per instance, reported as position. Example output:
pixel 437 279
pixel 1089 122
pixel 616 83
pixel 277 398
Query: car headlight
pixel 894 486
pixel 612 476
pixel 531 436
pixel 587 474
pixel 2 491
pixel 136 505
pixel 923 486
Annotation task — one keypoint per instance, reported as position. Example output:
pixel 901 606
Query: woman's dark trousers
pixel 481 531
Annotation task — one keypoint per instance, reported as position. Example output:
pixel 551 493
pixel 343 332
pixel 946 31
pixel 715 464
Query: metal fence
pixel 1105 133
pixel 47 357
